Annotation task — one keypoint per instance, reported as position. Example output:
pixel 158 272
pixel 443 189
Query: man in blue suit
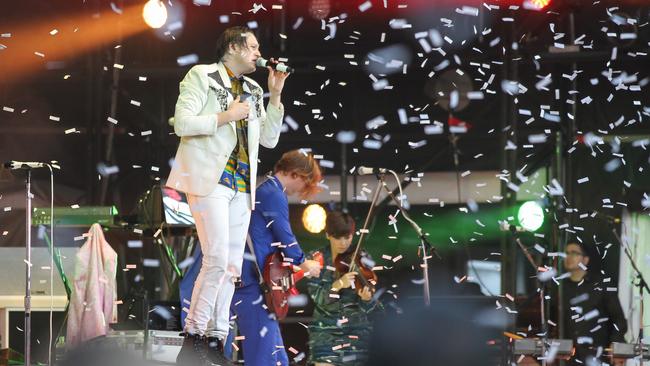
pixel 296 173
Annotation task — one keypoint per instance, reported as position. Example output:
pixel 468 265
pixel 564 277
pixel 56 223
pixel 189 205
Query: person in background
pixel 341 328
pixel 296 173
pixel 593 314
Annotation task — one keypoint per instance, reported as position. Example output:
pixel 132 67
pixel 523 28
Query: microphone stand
pixel 424 243
pixel 642 285
pixel 542 293
pixel 425 246
pixel 28 266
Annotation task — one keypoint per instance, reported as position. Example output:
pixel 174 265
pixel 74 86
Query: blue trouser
pixel 262 345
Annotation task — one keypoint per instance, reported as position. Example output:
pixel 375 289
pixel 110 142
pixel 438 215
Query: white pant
pixel 222 219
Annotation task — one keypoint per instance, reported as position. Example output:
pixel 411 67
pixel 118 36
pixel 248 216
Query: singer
pixel 221 120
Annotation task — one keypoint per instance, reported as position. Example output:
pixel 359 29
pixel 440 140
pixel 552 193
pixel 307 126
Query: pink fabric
pixel 92 304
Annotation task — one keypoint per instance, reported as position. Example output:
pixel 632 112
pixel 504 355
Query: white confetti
pixel 365 6
pixel 134 243
pixel 187 59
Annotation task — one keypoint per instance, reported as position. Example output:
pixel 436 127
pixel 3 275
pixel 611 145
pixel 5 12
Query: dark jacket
pixel 593 315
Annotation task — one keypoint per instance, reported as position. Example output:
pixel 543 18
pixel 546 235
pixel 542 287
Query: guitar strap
pixel 263 285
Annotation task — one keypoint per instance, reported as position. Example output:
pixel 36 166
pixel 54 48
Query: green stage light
pixel 531 215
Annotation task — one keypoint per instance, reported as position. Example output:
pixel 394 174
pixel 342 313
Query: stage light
pixel 536 4
pixel 154 13
pixel 313 218
pixel 531 215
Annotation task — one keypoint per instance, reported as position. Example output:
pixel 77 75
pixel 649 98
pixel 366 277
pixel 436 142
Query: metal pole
pixel 108 155
pixel 28 271
pixel 563 168
pixel 508 162
pixel 344 177
pixel 556 240
pixel 283 25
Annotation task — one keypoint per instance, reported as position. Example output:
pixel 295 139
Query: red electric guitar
pixel 280 280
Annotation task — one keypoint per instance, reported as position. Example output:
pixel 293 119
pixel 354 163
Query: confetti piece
pixel 376 123
pixel 134 244
pixel 372 144
pixel 187 59
pixel 291 122
pixel 365 6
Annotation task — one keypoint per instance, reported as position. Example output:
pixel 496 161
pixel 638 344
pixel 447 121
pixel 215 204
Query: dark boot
pixel 194 351
pixel 186 349
pixel 216 352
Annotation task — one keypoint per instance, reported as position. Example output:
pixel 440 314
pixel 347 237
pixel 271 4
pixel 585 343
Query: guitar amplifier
pixel 630 350
pixel 127 340
pixel 74 217
pixel 164 345
pixel 533 346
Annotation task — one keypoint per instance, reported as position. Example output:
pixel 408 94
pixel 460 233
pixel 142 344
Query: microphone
pixel 364 170
pixel 279 66
pixel 605 217
pixel 13 165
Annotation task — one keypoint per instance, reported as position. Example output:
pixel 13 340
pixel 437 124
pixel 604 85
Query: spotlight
pixel 531 215
pixel 313 218
pixel 154 13
pixel 536 4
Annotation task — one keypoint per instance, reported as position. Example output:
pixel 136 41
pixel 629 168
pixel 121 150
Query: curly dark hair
pixel 233 35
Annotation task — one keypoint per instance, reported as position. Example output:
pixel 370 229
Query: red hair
pixel 302 164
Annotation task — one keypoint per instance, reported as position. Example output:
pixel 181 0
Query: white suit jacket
pixel 205 148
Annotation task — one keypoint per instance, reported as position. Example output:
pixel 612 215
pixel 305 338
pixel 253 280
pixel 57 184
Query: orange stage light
pixel 31 46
